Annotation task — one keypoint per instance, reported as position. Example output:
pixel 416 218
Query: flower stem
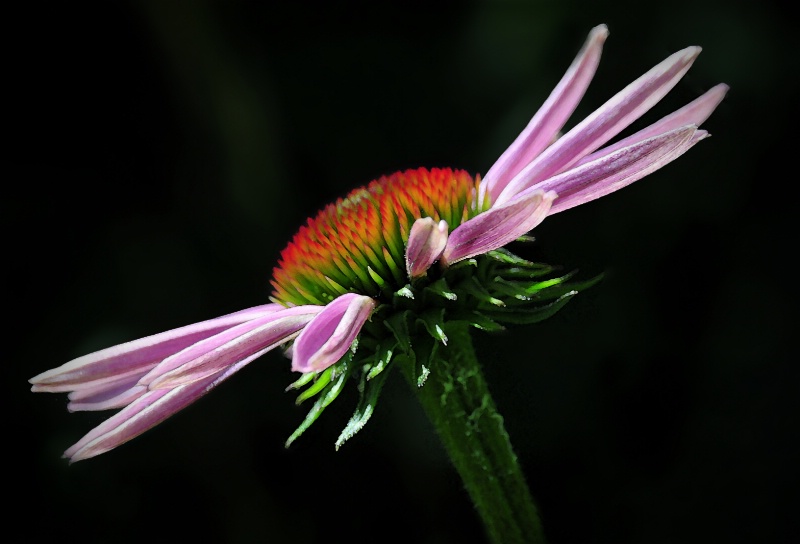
pixel 458 403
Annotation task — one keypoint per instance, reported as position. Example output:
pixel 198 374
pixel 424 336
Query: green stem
pixel 458 403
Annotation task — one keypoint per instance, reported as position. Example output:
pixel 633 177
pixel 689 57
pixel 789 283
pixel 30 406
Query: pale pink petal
pixel 693 113
pixel 605 123
pixel 220 351
pixel 426 242
pixel 146 412
pixel 550 118
pixel 136 358
pixel 108 402
pixel 115 422
pixel 331 333
pixel 497 226
pixel 104 391
pixel 611 172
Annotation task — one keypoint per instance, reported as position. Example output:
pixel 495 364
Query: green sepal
pixel 398 325
pixel 463 264
pixel 328 395
pixel 480 321
pixel 518 264
pixel 577 286
pixel 561 287
pixel 369 390
pixel 301 381
pixel 323 379
pixel 424 372
pixel 425 352
pixel 382 357
pixel 433 321
pixel 440 288
pixel 415 365
pixel 527 316
pixel 513 289
pixel 405 292
pixel 519 272
pixel 505 256
pixel 472 286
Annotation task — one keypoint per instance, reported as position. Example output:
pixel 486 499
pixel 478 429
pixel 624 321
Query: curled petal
pixel 550 118
pixel 611 172
pixel 331 333
pixel 426 241
pixel 605 123
pixel 498 226
pixel 131 360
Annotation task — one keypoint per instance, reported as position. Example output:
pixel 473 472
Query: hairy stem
pixel 458 403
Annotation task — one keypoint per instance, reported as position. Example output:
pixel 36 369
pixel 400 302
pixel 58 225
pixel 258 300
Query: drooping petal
pixel 605 123
pixel 331 333
pixel 134 359
pixel 611 172
pixel 498 226
pixel 550 118
pixel 220 351
pixel 426 241
pixel 146 412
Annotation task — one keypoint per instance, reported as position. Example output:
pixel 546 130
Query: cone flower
pixel 378 273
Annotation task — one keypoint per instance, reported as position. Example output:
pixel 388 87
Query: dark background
pixel 160 154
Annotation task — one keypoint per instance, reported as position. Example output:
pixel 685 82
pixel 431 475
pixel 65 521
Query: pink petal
pixel 426 241
pixel 104 391
pixel 497 227
pixel 605 123
pixel 693 113
pixel 611 172
pixel 146 412
pixel 331 333
pixel 136 358
pixel 550 118
pixel 220 351
pixel 107 402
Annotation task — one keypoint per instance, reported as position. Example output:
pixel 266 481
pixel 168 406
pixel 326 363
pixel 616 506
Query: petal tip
pixel 600 32
pixel 426 241
pixel 691 52
pixel 42 377
pixel 720 90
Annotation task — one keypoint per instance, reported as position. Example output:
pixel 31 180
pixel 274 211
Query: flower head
pixel 370 281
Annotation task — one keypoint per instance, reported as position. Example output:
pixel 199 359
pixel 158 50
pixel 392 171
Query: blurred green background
pixel 162 153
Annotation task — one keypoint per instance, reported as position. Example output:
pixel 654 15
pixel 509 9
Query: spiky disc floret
pixel 357 244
